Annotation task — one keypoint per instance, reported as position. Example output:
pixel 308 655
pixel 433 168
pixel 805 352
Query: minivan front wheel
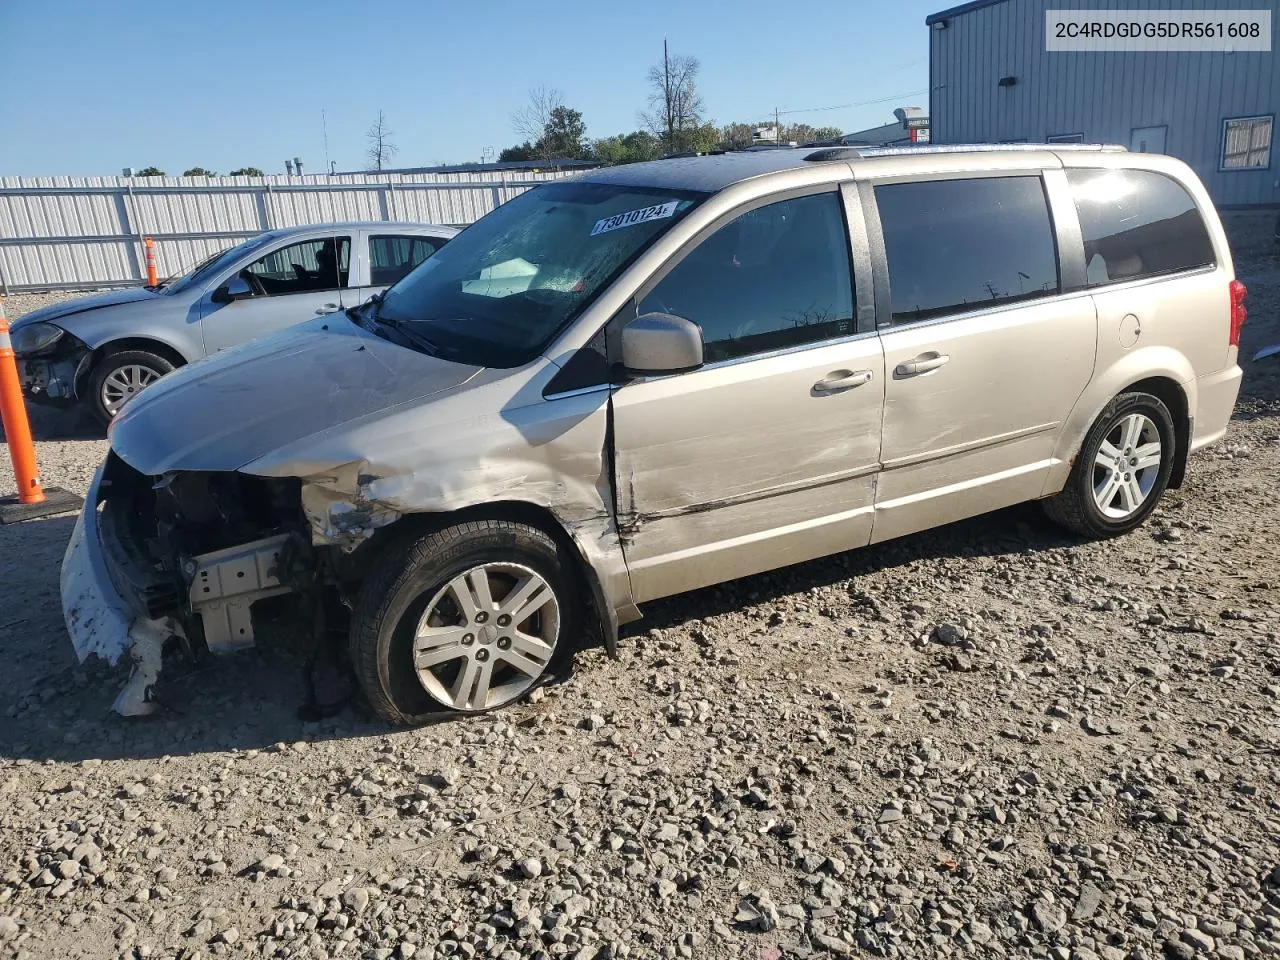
pixel 1122 470
pixel 465 619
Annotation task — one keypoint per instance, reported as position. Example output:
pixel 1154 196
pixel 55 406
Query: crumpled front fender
pixel 97 617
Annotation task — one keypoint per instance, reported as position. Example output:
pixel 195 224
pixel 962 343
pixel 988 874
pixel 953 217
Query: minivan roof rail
pixel 867 153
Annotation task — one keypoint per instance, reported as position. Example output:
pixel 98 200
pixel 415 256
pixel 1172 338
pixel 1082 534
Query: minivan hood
pixel 67 308
pixel 243 403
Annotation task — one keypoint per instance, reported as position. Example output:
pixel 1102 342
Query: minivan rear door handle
pixel 921 364
pixel 842 380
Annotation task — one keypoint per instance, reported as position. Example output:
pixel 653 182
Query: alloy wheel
pixel 487 636
pixel 1126 466
pixel 123 383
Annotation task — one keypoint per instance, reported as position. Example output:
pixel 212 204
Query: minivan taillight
pixel 1238 312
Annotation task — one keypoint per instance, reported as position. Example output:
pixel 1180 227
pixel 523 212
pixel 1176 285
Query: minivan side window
pixel 391 257
pixel 960 245
pixel 777 276
pixel 305 267
pixel 1137 223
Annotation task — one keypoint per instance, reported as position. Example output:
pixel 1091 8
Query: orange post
pixel 17 430
pixel 31 501
pixel 153 278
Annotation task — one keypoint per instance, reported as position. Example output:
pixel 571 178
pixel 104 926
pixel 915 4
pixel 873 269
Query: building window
pixel 1065 138
pixel 1246 143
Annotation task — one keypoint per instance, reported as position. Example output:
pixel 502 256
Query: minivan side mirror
pixel 237 288
pixel 658 343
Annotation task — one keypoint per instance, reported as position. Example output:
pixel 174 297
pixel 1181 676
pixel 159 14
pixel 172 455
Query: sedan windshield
pixel 210 266
pixel 503 288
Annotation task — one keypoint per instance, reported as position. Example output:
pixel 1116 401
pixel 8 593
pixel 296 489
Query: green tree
pixel 521 151
pixel 627 148
pixel 562 136
pixel 737 136
pixel 198 172
pixel 150 172
pixel 828 133
pixel 247 172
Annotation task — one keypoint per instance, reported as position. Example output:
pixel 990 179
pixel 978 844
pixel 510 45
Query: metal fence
pixel 76 233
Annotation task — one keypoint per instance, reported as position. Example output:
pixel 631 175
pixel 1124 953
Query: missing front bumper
pixel 119 601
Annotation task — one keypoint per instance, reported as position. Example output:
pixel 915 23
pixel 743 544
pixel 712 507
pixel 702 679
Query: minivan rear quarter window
pixel 1137 223
pixel 960 245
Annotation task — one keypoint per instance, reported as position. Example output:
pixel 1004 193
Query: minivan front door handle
pixel 842 380
pixel 921 364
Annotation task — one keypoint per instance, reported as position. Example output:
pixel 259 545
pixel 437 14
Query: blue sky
pixel 91 87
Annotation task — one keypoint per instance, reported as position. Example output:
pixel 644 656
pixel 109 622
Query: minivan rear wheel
pixel 1122 470
pixel 465 619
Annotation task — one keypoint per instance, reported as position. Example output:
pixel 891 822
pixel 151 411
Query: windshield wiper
pixel 415 338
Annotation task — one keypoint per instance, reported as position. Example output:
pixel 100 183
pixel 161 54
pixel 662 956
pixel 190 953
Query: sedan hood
pixel 243 403
pixel 66 308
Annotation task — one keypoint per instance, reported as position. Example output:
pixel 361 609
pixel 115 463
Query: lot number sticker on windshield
pixel 659 211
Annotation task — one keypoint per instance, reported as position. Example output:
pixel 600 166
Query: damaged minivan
pixel 657 377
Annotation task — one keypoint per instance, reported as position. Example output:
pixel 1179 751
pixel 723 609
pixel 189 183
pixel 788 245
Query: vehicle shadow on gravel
pixel 49 423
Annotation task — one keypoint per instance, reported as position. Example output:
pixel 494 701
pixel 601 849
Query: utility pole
pixel 777 128
pixel 324 125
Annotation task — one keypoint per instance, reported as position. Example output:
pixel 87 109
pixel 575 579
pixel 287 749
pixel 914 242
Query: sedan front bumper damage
pixel 51 378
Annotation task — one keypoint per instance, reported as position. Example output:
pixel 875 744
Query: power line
pixel 862 103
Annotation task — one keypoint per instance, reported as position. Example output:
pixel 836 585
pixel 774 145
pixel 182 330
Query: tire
pixel 115 372
pixel 1099 502
pixel 419 587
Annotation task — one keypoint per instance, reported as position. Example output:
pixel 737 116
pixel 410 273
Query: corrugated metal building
pixel 1216 111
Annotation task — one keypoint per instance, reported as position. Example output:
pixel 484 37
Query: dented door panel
pixel 744 466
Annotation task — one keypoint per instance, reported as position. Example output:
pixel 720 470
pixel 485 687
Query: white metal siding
pixel 83 232
pixel 1104 96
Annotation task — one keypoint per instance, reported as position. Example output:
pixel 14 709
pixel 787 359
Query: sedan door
pixel 392 255
pixel 985 356
pixel 767 454
pixel 293 282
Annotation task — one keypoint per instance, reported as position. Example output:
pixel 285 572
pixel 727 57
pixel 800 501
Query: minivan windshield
pixel 497 293
pixel 210 266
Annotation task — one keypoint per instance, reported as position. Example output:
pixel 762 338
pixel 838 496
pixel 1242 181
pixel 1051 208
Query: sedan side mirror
pixel 658 343
pixel 237 288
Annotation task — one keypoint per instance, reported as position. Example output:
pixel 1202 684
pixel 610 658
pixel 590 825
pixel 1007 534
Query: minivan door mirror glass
pixel 659 343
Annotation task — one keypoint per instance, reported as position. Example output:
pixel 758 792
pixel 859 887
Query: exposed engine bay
pixel 198 555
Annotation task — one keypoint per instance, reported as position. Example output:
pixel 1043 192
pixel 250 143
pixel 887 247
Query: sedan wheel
pixel 123 383
pixel 487 636
pixel 119 377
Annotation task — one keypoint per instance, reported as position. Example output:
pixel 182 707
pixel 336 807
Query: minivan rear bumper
pixel 1215 399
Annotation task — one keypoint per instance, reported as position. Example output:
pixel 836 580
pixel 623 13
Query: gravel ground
pixel 990 740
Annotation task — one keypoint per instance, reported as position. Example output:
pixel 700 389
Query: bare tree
pixel 381 149
pixel 530 121
pixel 675 107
